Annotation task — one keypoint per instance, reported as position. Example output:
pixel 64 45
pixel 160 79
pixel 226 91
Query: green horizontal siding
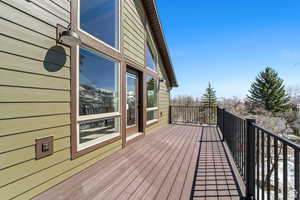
pixel 35 99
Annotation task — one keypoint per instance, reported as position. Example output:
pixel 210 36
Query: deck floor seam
pixel 163 156
pixel 163 183
pixel 189 149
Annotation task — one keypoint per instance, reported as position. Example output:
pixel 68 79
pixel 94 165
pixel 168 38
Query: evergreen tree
pixel 209 98
pixel 269 92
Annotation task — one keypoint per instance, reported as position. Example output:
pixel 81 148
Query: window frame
pixel 155 108
pixel 126 87
pixel 99 142
pixel 104 49
pixel 98 39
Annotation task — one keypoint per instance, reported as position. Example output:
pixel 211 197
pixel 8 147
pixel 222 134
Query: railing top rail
pixel 280 138
pixel 235 115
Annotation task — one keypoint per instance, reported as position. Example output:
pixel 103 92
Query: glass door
pixel 132 103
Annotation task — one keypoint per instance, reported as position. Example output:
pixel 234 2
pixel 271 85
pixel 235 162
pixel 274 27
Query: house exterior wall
pixel 35 84
pixel 135 26
pixel 134 33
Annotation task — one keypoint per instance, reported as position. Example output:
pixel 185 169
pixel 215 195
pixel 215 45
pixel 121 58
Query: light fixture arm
pixel 69 37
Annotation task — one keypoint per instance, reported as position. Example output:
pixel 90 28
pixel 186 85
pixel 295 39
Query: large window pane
pixel 131 100
pixel 152 115
pixel 99 130
pixel 151 58
pixel 98 88
pixel 151 92
pixel 100 18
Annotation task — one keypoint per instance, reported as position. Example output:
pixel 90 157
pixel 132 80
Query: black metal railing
pixel 193 114
pixel 268 163
pixel 234 129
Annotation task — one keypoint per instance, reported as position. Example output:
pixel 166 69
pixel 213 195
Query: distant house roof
pixel 151 10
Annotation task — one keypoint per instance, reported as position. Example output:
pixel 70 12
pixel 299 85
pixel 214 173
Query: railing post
pixel 250 160
pixel 218 116
pixel 222 123
pixel 170 114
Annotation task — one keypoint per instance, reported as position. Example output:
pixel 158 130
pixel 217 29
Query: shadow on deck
pixel 215 176
pixel 174 162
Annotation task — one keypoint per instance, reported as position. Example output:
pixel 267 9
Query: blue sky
pixel 228 42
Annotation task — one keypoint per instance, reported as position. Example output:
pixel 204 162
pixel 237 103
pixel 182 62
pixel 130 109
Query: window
pixel 152 116
pixel 95 131
pixel 100 18
pixel 152 99
pixel 131 94
pixel 98 98
pixel 151 56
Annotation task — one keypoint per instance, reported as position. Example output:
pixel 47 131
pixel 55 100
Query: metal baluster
pixel 250 180
pixel 263 165
pixel 199 114
pixel 194 114
pixel 268 167
pixel 239 144
pixel 297 174
pixel 185 114
pixel 285 173
pixel 189 114
pixel 257 165
pixel 243 150
pixel 276 167
pixel 233 139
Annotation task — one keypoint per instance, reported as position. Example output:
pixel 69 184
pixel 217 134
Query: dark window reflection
pixel 150 57
pixel 98 89
pixel 151 92
pixel 103 128
pixel 152 114
pixel 131 100
pixel 100 18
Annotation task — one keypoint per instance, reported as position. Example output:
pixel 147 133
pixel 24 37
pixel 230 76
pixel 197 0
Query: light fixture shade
pixel 70 38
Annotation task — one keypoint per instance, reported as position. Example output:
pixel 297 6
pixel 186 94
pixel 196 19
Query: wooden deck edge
pixel 235 170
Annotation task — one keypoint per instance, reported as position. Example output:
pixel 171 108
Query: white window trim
pixel 80 119
pixel 151 121
pixel 97 39
pixel 95 141
pixel 152 108
pixel 97 116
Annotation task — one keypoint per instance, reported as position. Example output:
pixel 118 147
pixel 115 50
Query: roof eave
pixel 151 10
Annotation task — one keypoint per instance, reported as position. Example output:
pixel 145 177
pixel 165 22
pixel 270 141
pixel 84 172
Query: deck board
pixel 174 162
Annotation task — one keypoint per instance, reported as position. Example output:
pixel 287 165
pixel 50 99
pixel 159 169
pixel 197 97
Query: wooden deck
pixel 174 162
pixel 215 177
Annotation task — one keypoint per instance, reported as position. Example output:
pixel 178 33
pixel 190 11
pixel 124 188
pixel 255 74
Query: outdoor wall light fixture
pixel 69 37
pixel 161 81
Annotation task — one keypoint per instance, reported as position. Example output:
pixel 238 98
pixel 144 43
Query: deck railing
pixel 268 163
pixel 193 114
